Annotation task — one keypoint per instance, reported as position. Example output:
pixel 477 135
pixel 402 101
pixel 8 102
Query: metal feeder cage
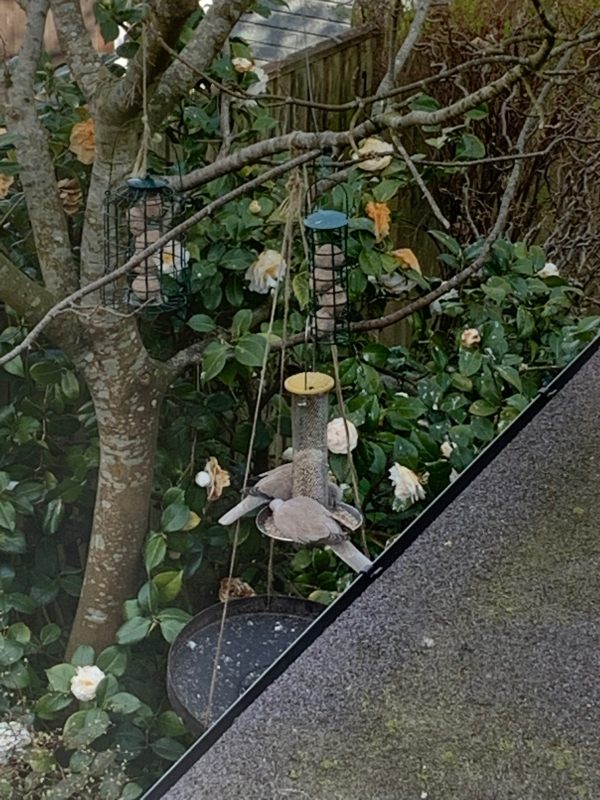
pixel 327 235
pixel 135 216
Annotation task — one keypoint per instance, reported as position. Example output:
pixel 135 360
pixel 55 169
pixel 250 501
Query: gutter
pixel 365 579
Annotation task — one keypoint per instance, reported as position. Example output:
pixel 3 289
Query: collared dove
pixel 277 483
pixel 305 521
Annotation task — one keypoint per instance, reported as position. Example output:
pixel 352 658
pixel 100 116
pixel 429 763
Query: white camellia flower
pixel 337 441
pixel 213 478
pixel 549 270
pixel 85 682
pixel 446 449
pixel 407 487
pixel 470 337
pixel 382 152
pixel 13 736
pixel 241 64
pixel 254 207
pixel 288 454
pixel 264 274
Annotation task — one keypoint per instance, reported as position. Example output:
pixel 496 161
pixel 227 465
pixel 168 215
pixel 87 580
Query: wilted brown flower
pixel 70 194
pixel 213 478
pixel 231 588
pixel 407 259
pixel 381 215
pixel 82 141
pixel 6 181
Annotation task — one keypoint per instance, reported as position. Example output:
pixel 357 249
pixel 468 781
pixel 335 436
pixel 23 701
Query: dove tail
pixel 247 505
pixel 352 556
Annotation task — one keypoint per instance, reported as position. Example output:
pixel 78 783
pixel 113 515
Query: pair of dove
pixel 301 520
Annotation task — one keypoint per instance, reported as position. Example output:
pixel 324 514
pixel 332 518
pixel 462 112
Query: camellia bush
pixel 115 414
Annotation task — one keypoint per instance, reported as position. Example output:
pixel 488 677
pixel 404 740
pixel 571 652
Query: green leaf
pixel 174 517
pixel 134 630
pixel 300 287
pixel 481 408
pixel 250 350
pixel 469 361
pixel 168 748
pixel 407 408
pixel 214 359
pixel 168 584
pixel 448 242
pixel 470 147
pixel 169 724
pixel 511 376
pixel 386 189
pixel 15 367
pixel 131 791
pixel 48 705
pixel 84 727
pixel 83 656
pixel 201 323
pixel 8 515
pixel 45 372
pixel 123 703
pixel 241 323
pixel 112 660
pixel 155 550
pixel 525 322
pixel 20 633
pixel 69 385
pixel 55 512
pixel 10 651
pixel 49 634
pixel 59 677
pixel 171 621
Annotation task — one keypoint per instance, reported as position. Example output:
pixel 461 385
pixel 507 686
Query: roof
pixel 469 668
pixel 299 24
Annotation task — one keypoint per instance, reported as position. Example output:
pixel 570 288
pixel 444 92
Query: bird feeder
pixel 327 235
pixel 136 215
pixel 310 406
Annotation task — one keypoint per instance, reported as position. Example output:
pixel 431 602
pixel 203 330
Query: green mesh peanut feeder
pixel 136 215
pixel 327 235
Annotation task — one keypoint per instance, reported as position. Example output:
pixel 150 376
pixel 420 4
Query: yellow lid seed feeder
pixel 315 513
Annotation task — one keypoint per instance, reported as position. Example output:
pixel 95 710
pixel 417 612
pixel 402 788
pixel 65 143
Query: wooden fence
pixel 12 28
pixel 332 72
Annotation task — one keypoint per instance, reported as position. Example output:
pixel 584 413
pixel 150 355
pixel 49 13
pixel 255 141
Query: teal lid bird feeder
pixel 136 215
pixel 327 236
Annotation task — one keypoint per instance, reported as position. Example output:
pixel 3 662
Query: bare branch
pixel 209 37
pixel 27 298
pixel 70 303
pixel 437 212
pixel 48 221
pixel 76 43
pixel 162 26
pixel 412 37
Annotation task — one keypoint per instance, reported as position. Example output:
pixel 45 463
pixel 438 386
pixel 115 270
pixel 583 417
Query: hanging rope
pixel 285 249
pixel 140 167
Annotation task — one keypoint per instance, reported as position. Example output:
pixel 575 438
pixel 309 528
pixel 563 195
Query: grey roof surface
pixel 299 24
pixel 470 669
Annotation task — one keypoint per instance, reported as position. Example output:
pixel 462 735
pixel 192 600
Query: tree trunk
pixel 127 389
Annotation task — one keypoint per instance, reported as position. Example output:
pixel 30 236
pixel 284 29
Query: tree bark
pixel 127 388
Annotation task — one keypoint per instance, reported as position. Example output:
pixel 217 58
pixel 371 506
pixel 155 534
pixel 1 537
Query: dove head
pixel 275 504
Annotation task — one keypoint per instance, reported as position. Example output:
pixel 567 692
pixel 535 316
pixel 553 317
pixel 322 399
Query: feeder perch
pixel 136 215
pixel 327 235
